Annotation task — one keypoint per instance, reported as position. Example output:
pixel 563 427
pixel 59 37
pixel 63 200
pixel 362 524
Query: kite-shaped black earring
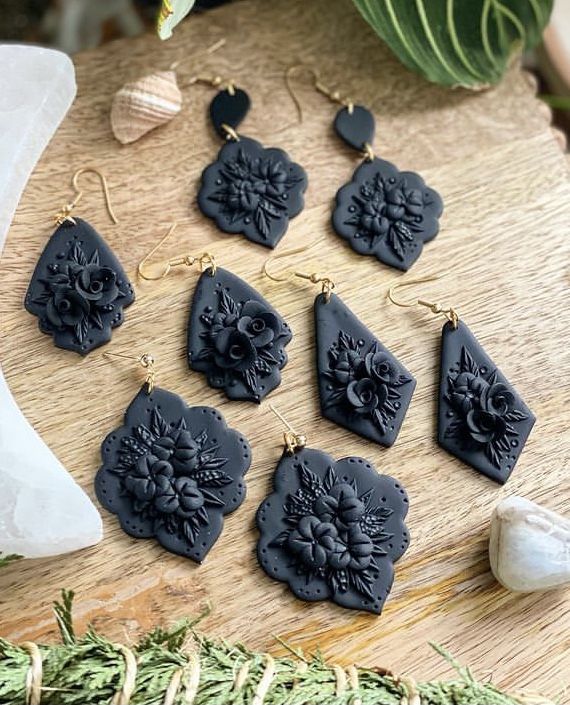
pixel 482 420
pixel 79 289
pixel 362 386
pixel 332 529
pixel 248 189
pixel 235 337
pixel 382 212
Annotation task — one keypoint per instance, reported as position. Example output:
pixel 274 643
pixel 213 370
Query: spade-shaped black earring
pixel 172 471
pixel 235 337
pixel 482 420
pixel 332 529
pixel 362 386
pixel 382 212
pixel 79 289
pixel 248 189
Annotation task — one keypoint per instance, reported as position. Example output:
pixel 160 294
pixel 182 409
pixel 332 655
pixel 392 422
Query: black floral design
pixel 339 532
pixel 170 474
pixel 78 291
pixel 387 213
pixel 252 190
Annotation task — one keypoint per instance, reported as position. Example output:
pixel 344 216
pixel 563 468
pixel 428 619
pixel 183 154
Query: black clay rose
pixel 380 368
pixel 404 203
pixel 466 391
pixel 233 350
pixel 340 506
pixel 66 309
pixel 365 396
pixel 353 552
pixel 142 481
pixel 312 541
pixel 180 496
pixel 97 283
pixel 485 427
pixel 497 399
pixel 344 369
pixel 259 324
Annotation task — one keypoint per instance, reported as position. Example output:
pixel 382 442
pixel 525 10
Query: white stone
pixel 529 548
pixel 37 86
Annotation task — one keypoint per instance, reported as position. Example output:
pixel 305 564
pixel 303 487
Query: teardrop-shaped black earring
pixel 172 471
pixel 382 212
pixel 482 420
pixel 362 386
pixel 235 337
pixel 332 529
pixel 248 189
pixel 79 289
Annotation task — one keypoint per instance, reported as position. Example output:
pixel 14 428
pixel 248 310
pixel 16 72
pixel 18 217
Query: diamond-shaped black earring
pixel 482 420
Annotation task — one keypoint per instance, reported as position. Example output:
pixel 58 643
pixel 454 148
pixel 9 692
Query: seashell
pixel 529 548
pixel 142 105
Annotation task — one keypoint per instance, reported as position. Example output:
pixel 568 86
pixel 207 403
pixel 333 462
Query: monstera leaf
pixel 457 42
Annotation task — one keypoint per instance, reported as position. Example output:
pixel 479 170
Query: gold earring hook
pixel 145 360
pixel 332 95
pixel 293 440
pixel 206 260
pixel 436 308
pixel 204 52
pixel 327 283
pixel 65 213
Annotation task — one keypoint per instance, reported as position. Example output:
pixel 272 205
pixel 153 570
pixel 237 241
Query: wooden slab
pixel 502 256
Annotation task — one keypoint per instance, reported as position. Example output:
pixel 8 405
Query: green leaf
pixel 457 42
pixel 171 13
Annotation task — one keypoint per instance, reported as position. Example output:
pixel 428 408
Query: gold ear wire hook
pixel 206 260
pixel 327 284
pixel 204 52
pixel 65 212
pixel 145 360
pixel 332 95
pixel 436 308
pixel 293 440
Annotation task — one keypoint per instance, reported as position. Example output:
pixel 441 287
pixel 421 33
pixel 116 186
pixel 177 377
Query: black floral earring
pixel 172 471
pixel 79 289
pixel 482 420
pixel 332 529
pixel 235 337
pixel 362 386
pixel 248 189
pixel 382 212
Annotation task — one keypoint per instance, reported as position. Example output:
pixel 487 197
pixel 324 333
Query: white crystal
pixel 529 548
pixel 37 86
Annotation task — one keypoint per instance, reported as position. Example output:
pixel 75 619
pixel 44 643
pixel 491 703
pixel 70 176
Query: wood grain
pixel 502 256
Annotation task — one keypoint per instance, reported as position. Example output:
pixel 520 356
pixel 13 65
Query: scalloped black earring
pixel 249 189
pixel 332 529
pixel 482 420
pixel 79 289
pixel 362 386
pixel 172 471
pixel 235 337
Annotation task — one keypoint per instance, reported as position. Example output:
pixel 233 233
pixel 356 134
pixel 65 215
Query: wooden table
pixel 502 256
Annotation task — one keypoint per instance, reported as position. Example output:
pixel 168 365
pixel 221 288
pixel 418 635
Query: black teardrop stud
pixel 382 212
pixel 79 289
pixel 171 472
pixel 362 386
pixel 235 337
pixel 332 530
pixel 249 189
pixel 482 420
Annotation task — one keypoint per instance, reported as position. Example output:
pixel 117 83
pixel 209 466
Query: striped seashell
pixel 142 105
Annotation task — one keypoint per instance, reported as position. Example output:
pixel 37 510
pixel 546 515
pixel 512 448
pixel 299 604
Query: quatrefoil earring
pixel 482 420
pixel 79 289
pixel 235 337
pixel 248 189
pixel 362 386
pixel 172 471
pixel 332 529
pixel 382 212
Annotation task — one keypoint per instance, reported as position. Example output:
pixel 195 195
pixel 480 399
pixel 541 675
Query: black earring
pixel 172 471
pixel 482 420
pixel 248 189
pixel 79 289
pixel 235 337
pixel 362 386
pixel 332 529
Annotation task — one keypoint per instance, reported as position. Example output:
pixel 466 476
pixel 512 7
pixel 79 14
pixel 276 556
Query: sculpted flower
pixel 181 450
pixel 312 541
pixel 340 506
pixel 259 324
pixel 345 366
pixel 364 396
pixel 466 391
pixel 353 551
pixel 142 481
pixel 180 496
pixel 373 220
pixel 380 368
pixel 404 203
pixel 233 350
pixel 66 308
pixel 497 399
pixel 97 284
pixel 485 427
pixel 272 178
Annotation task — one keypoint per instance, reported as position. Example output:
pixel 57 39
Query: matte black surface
pixel 387 214
pixel 482 419
pixel 362 386
pixel 79 289
pixel 356 128
pixel 333 529
pixel 236 337
pixel 229 109
pixel 252 191
pixel 172 471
